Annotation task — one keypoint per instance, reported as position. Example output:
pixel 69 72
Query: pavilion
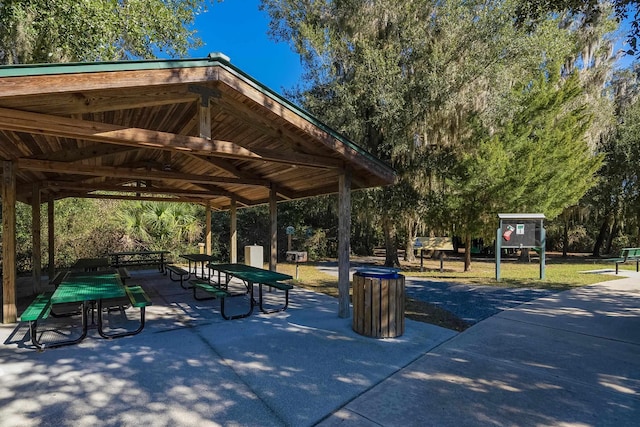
pixel 190 130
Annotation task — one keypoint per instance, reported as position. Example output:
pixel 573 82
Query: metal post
pixel 543 244
pixel 498 253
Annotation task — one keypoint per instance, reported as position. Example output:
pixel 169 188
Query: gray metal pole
pixel 543 249
pixel 498 253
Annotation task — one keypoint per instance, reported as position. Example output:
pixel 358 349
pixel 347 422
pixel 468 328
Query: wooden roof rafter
pixel 35 123
pixel 181 125
pixel 131 173
pixel 75 154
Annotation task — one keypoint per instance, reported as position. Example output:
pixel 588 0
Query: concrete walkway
pixel 190 367
pixel 569 359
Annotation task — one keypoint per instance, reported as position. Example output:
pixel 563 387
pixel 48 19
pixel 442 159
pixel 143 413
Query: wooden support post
pixel 204 117
pixel 344 244
pixel 204 112
pixel 273 217
pixel 51 237
pixel 233 226
pixel 36 256
pixel 9 310
pixel 207 240
pixel 204 130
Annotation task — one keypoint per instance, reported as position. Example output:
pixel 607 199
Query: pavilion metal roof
pixel 197 130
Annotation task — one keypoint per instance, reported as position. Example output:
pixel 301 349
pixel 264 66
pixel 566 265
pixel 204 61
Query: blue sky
pixel 238 29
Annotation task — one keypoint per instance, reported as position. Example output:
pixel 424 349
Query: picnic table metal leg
pixel 103 334
pixel 238 316
pixel 33 331
pixel 275 310
pixel 194 272
pixel 195 269
pixel 197 298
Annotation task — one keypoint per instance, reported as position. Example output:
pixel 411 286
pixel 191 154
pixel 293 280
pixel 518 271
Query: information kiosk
pixel 520 231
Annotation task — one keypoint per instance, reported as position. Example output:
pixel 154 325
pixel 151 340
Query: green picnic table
pixel 198 258
pixel 90 264
pixel 88 288
pixel 251 276
pixel 139 258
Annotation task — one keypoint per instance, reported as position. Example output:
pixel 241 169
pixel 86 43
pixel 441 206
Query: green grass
pixel 560 274
pixel 310 277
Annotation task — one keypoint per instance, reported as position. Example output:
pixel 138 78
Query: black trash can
pixel 378 302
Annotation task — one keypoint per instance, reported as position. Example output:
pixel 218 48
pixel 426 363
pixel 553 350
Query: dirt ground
pixel 429 313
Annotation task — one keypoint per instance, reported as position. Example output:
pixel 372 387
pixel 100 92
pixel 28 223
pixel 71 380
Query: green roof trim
pixel 24 70
pixel 214 59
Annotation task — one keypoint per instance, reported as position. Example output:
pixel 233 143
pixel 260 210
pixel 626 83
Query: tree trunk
pixel 467 252
pixel 409 256
pixel 565 239
pixel 391 252
pixel 411 237
pixel 612 234
pixel 597 246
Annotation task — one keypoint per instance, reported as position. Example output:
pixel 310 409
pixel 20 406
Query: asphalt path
pixel 471 303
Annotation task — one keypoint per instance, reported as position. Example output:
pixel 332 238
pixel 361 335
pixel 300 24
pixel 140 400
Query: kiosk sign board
pixel 520 231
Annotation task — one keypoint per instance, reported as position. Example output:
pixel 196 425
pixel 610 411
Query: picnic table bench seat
pixel 208 287
pixel 124 274
pixel 39 309
pixel 138 296
pixel 57 278
pixel 180 274
pixel 217 293
pixel 626 255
